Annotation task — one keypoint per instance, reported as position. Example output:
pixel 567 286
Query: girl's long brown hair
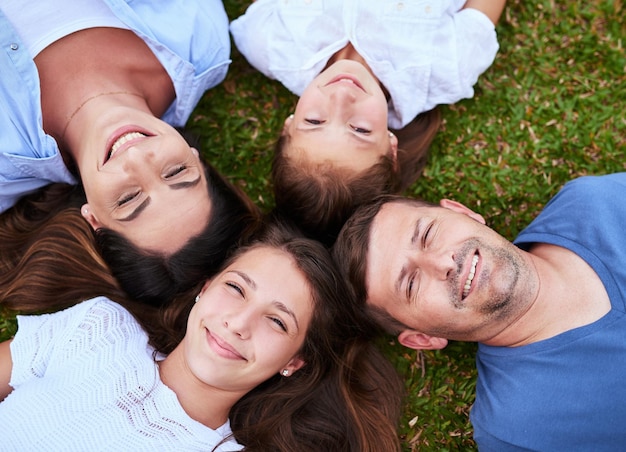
pixel 347 397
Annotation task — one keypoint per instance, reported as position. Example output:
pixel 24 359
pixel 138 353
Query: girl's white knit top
pixel 85 379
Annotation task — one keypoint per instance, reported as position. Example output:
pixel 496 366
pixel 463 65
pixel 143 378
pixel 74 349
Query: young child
pixel 361 68
pixel 271 342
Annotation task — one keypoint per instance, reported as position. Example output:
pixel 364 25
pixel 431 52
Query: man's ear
pixel 460 208
pixel 88 215
pixel 420 341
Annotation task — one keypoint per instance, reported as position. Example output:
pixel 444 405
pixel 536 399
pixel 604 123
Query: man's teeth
pixel 470 277
pixel 123 139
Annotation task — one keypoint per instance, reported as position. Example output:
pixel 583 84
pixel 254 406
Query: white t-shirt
pixel 425 52
pixel 85 379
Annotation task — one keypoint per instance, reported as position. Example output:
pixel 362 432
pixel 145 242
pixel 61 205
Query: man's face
pixel 443 273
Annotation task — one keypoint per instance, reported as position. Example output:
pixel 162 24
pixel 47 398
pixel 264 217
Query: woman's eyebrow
pixel 177 186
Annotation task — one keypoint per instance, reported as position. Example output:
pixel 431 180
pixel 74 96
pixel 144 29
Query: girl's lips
pixel 223 348
pixel 349 79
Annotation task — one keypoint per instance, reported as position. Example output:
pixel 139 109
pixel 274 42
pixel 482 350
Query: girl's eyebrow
pixel 280 305
pixel 289 312
pixel 246 278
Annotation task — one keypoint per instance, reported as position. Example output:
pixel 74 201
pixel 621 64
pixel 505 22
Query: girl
pixel 361 68
pixel 90 93
pixel 273 343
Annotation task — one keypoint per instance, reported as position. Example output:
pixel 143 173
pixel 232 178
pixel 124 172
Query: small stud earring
pixel 197 298
pixel 85 211
pixel 390 134
pixel 285 372
pixel 291 116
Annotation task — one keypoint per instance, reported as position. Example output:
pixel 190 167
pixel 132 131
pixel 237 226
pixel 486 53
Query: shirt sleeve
pixel 48 342
pixel 477 45
pixel 251 34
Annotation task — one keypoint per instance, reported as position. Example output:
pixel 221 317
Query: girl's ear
pixel 460 208
pixel 205 286
pixel 292 366
pixel 88 215
pixel 287 124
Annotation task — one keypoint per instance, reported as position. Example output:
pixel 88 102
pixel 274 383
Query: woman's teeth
pixel 470 277
pixel 123 139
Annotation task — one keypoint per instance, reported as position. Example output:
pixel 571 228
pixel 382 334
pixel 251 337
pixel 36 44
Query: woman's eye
pixel 315 122
pixel 127 198
pixel 360 130
pixel 175 171
pixel 235 287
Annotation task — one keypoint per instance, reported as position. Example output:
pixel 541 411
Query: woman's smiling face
pixel 143 180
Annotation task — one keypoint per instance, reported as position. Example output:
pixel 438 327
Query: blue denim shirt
pixel 191 41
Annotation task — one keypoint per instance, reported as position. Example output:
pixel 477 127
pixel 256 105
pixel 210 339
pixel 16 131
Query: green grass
pixel 548 110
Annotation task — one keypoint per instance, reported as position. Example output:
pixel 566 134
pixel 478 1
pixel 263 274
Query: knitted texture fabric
pixel 85 379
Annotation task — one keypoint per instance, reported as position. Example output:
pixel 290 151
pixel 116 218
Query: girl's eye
pixel 315 122
pixel 127 198
pixel 360 130
pixel 177 170
pixel 235 287
pixel 280 323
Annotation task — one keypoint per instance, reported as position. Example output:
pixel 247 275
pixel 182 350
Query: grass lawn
pixel 548 110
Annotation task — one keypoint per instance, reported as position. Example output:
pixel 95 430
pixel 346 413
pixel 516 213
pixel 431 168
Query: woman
pixel 362 68
pixel 90 92
pixel 272 343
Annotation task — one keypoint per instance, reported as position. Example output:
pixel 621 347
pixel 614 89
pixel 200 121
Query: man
pixel 547 309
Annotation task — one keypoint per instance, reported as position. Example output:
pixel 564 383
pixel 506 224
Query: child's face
pixel 249 322
pixel 341 117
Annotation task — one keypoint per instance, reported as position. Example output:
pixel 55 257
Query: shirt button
pixel 400 6
pixel 428 9
pixel 14 46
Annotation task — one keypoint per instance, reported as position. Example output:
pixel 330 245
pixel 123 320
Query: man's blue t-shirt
pixel 566 393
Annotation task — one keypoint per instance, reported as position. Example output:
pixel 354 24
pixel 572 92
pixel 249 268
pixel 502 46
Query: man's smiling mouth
pixel 470 277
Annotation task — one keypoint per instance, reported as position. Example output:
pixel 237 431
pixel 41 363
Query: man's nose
pixel 440 264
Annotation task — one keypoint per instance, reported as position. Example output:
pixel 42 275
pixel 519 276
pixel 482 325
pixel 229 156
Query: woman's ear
pixel 420 341
pixel 88 215
pixel 461 208
pixel 393 141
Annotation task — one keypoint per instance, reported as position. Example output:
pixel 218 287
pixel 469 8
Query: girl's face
pixel 142 180
pixel 249 322
pixel 341 118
